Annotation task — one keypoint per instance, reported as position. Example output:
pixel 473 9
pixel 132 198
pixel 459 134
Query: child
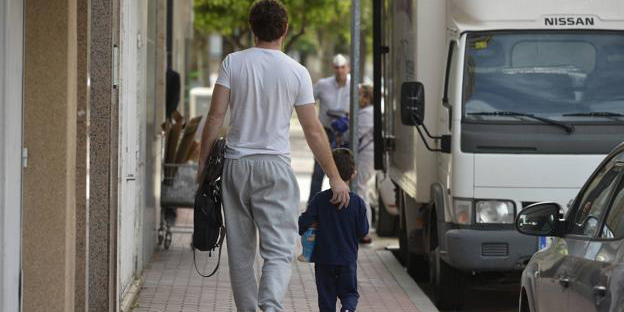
pixel 339 231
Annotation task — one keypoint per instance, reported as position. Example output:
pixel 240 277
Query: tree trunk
pixel 201 61
pixel 326 51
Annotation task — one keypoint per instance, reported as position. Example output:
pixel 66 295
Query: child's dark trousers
pixel 336 281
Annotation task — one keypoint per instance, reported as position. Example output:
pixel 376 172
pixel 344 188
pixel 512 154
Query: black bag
pixel 208 228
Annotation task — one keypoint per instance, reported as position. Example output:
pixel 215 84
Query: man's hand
pixel 340 192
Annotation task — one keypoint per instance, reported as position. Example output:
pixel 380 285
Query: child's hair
pixel 367 91
pixel 345 163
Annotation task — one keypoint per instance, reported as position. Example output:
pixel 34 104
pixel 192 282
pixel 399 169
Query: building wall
pixel 48 232
pixel 140 136
pixel 11 32
pixel 132 107
pixel 102 151
pixel 80 301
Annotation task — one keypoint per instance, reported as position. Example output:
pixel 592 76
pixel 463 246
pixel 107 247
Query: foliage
pixel 229 18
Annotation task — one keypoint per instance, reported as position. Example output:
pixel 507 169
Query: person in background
pixel 333 95
pixel 366 149
pixel 339 231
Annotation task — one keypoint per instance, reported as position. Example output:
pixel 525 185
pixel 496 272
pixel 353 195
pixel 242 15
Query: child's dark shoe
pixel 366 240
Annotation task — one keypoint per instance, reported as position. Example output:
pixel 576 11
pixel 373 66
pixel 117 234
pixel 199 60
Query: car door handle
pixel 564 281
pixel 600 291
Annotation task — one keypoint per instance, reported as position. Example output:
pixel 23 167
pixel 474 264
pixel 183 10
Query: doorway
pixel 11 51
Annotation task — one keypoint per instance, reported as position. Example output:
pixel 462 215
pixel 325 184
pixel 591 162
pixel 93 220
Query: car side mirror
pixel 541 219
pixel 412 103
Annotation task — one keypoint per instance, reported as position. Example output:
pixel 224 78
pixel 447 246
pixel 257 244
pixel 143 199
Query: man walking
pixel 261 86
pixel 333 95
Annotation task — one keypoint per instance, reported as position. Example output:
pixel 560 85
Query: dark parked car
pixel 583 267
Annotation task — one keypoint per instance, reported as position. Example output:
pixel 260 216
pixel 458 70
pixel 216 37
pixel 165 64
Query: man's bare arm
pixel 214 122
pixel 317 140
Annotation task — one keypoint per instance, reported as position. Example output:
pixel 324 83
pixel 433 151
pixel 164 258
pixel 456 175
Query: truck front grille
pixel 495 249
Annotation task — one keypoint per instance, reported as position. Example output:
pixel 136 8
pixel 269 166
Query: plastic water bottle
pixel 308 242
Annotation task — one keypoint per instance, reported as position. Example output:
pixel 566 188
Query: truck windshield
pixel 564 76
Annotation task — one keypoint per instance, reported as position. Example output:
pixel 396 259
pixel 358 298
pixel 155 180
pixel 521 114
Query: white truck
pixel 484 107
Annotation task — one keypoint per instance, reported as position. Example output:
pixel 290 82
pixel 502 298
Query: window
pixel 586 218
pixel 564 76
pixel 451 80
pixel 614 223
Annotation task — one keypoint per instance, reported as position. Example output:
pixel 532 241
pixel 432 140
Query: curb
pixel 131 295
pixel 416 295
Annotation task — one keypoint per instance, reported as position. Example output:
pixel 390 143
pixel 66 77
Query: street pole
pixel 355 81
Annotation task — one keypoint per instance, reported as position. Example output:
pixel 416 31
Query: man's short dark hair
pixel 268 20
pixel 345 163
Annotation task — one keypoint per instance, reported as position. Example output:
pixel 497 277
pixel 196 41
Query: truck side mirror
pixel 412 103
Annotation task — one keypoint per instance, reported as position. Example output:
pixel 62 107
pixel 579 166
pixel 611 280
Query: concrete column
pixel 49 181
pixel 103 165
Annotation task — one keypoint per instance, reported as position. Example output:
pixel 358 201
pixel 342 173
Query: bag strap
pixel 221 239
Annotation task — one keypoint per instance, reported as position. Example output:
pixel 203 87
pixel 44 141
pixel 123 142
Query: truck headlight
pixel 462 210
pixel 495 211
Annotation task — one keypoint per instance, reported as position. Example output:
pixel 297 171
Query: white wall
pixel 132 105
pixel 155 115
pixel 11 46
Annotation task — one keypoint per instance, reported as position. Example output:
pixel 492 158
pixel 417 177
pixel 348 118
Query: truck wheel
pixel 415 265
pixel 403 246
pixel 387 224
pixel 448 283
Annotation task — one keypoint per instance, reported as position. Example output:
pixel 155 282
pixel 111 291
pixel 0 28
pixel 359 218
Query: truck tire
pixel 447 282
pixel 403 246
pixel 387 224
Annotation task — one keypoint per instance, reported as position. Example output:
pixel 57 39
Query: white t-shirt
pixel 331 97
pixel 265 85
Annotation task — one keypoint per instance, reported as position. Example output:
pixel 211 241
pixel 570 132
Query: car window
pixel 594 201
pixel 614 223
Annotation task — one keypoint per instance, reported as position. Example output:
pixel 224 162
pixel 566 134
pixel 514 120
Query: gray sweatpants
pixel 260 192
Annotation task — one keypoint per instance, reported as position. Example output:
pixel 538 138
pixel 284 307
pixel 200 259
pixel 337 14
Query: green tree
pixel 229 18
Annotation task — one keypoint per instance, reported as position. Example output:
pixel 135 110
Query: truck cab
pixel 484 107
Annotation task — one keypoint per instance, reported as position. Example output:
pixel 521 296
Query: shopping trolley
pixel 177 191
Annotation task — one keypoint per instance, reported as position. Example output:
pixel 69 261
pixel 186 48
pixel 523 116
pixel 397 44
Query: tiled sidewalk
pixel 171 284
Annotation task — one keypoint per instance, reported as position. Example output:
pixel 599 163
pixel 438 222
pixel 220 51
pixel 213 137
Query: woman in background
pixel 366 149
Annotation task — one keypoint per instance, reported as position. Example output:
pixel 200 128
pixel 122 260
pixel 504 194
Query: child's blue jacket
pixel 339 230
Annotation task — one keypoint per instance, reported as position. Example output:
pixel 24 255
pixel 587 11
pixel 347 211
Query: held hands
pixel 340 192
